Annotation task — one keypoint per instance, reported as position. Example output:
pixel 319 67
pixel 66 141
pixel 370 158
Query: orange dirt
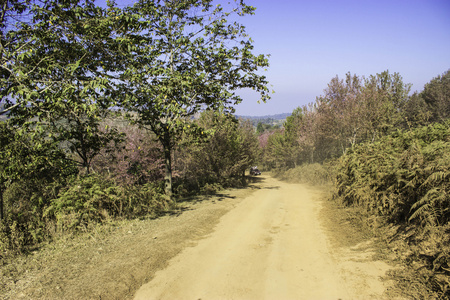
pixel 271 246
pixel 273 240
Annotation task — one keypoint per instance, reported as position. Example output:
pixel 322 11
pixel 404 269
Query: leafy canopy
pixel 183 57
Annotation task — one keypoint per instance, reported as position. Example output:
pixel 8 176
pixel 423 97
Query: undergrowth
pixel 39 213
pixel 314 174
pixel 403 182
pixel 76 204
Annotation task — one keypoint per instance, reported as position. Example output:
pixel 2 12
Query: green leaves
pixel 195 57
pixel 404 177
pixel 60 59
pixel 403 181
pixel 217 147
pixel 183 63
pixel 436 96
pixel 27 155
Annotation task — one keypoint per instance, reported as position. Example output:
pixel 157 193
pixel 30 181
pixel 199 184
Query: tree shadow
pixel 252 182
pixel 176 212
pixel 254 179
pixel 276 187
pixel 217 196
pixel 255 183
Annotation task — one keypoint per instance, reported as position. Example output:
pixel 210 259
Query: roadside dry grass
pixel 113 260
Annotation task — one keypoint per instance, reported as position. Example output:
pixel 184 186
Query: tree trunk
pixel 168 169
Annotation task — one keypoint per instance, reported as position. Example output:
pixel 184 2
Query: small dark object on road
pixel 254 171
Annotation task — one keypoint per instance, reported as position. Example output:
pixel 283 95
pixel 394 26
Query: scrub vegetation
pixel 385 154
pixel 111 114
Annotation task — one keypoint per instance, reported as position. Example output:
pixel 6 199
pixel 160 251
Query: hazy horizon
pixel 311 42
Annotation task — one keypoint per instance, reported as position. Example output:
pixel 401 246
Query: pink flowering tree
pixel 138 160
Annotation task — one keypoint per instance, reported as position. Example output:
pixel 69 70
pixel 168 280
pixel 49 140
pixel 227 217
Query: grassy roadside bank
pixel 112 260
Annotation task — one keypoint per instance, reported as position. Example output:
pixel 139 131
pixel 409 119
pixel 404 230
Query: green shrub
pixel 94 199
pixel 24 203
pixel 314 174
pixel 404 179
pixel 147 199
pixel 84 200
pixel 210 189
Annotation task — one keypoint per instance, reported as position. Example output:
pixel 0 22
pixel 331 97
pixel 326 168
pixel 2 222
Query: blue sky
pixel 310 42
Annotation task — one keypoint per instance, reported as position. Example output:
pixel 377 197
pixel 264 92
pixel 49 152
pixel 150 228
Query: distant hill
pixel 274 117
pixel 274 121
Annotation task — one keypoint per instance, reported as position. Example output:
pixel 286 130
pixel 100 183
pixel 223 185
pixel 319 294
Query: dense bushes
pixel 404 176
pixel 41 212
pixel 219 158
pixel 404 180
pixel 94 198
pixel 314 174
pixel 44 194
pixel 30 166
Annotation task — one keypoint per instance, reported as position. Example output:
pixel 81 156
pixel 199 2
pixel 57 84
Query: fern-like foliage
pixel 404 177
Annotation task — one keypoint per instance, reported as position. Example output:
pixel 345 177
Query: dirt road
pixel 272 245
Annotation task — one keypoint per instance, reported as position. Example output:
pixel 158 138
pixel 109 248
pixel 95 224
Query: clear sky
pixel 310 42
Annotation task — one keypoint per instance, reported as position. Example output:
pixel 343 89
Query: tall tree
pixel 184 57
pixel 437 95
pixel 384 96
pixel 55 58
pixel 340 119
pixel 12 13
pixel 416 112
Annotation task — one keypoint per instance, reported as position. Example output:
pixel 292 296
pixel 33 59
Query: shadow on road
pixel 253 183
pixel 256 181
pixel 276 187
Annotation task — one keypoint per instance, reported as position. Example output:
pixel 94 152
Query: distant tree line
pixel 352 111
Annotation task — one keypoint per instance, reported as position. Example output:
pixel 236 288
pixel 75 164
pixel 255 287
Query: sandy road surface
pixel 272 245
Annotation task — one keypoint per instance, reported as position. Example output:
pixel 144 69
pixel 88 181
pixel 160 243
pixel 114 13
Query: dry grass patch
pixel 112 261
